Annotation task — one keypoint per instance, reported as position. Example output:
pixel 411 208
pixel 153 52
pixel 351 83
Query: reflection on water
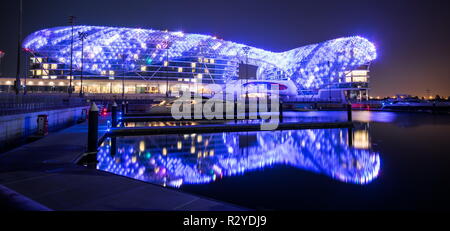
pixel 173 160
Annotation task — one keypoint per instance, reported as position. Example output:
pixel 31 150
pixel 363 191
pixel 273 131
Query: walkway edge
pixel 13 200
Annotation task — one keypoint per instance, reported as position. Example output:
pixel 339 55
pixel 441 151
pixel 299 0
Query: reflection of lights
pixel 142 146
pixel 361 139
pixel 321 151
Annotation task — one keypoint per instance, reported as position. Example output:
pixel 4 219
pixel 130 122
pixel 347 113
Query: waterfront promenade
pixel 45 172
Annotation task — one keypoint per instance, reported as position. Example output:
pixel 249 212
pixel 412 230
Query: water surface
pixel 388 161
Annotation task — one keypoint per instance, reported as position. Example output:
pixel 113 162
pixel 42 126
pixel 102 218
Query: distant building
pixel 153 61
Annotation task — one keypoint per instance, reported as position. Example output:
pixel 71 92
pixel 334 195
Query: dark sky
pixel 412 37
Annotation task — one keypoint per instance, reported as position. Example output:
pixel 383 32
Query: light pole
pixel 329 81
pixel 27 67
pixel 2 54
pixel 123 75
pixel 71 21
pixel 167 72
pixel 19 39
pixel 246 51
pixel 82 36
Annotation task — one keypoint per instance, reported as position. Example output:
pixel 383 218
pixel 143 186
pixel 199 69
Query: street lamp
pixel 82 36
pixel 2 54
pixel 167 72
pixel 19 40
pixel 246 51
pixel 71 21
pixel 124 57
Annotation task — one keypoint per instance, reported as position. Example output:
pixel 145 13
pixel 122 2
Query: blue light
pixel 323 151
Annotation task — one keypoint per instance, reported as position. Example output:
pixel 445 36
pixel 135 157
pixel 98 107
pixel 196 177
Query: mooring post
pixel 349 112
pixel 93 128
pixel 123 108
pixel 113 145
pixel 350 136
pixel 126 107
pixel 114 114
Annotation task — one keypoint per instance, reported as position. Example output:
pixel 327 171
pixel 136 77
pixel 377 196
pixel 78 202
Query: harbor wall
pixel 16 129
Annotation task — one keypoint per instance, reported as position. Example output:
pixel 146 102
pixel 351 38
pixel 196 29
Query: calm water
pixel 388 161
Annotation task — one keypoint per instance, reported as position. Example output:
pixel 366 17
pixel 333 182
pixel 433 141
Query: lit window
pixel 359 79
pixel 193 65
pixel 199 60
pixel 103 73
pixel 38 72
pixel 45 77
pixel 359 72
pixel 206 71
pixel 212 61
pixel 39 60
pixel 200 76
pixel 54 66
pixel 166 63
pixel 205 60
pixel 45 65
pixel 111 72
pixel 143 68
pixel 53 77
pixel 180 69
pixel 135 56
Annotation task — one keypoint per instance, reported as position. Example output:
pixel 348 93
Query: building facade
pixel 132 60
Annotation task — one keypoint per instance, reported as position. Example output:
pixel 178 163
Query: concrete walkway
pixel 45 172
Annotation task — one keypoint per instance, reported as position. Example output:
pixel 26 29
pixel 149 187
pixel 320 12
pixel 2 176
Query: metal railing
pixel 17 104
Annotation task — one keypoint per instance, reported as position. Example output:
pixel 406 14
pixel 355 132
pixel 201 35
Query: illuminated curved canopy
pixel 109 48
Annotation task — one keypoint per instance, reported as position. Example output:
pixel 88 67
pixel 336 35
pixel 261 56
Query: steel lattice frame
pixel 111 48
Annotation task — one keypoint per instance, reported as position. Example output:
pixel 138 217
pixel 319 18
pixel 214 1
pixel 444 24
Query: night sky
pixel 412 37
